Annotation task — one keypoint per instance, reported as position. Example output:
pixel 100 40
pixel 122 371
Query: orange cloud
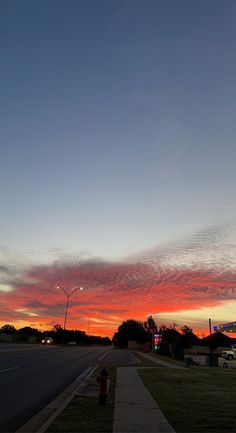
pixel 112 291
pixel 181 277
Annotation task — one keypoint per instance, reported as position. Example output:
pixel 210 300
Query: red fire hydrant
pixel 103 391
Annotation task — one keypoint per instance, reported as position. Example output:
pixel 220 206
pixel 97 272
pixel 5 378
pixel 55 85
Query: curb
pixel 44 418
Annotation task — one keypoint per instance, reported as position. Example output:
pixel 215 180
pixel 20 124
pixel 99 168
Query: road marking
pixel 133 357
pixel 103 356
pixel 8 369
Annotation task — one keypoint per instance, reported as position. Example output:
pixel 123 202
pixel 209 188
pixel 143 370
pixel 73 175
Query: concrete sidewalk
pixel 135 409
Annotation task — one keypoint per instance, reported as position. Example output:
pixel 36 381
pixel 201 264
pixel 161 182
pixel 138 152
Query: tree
pixel 27 331
pixel 56 333
pixel 24 333
pixel 115 339
pixel 170 341
pixel 131 330
pixel 8 329
pixel 150 325
pixel 186 330
pixel 57 328
pixel 173 342
pixel 188 338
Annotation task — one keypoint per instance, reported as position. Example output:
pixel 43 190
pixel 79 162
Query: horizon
pixel 201 335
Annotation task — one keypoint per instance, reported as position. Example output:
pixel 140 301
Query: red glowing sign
pixel 156 341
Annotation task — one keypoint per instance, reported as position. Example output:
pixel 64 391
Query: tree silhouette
pixel 8 329
pixel 150 325
pixel 131 330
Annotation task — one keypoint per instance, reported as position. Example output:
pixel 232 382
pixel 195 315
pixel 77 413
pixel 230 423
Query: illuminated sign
pixel 156 341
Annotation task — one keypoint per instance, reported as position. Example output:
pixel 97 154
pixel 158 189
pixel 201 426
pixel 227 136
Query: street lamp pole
pixel 68 294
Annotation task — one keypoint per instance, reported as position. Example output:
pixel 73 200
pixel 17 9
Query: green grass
pixel 85 415
pixel 195 400
pixel 168 359
pixel 174 360
pixel 148 362
pixel 145 362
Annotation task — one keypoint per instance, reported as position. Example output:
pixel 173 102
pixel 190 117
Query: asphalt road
pixel 31 376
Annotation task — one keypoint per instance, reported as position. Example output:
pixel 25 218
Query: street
pixel 32 375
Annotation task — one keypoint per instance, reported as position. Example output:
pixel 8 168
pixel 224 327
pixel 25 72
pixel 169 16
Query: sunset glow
pixel 162 282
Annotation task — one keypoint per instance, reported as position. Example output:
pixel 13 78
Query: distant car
pixel 229 354
pixel 47 340
pixel 72 343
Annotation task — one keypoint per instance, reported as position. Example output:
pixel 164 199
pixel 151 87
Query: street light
pixel 68 293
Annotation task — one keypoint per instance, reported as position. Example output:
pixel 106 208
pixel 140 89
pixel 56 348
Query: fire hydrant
pixel 103 390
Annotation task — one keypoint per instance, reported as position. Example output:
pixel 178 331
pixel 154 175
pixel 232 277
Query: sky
pixel 117 163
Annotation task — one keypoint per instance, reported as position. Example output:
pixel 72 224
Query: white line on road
pixel 8 369
pixel 103 356
pixel 133 357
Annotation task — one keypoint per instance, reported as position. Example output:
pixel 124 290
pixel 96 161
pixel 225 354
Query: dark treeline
pixel 173 342
pixel 28 334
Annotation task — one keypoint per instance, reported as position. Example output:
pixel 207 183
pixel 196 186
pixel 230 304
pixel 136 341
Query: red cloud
pixel 113 292
pixel 198 272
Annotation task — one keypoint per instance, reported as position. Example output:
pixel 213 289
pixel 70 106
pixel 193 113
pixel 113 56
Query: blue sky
pixel 117 124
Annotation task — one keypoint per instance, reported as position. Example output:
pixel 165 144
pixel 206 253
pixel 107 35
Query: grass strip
pixel 196 400
pixel 168 359
pixel 85 415
pixel 145 362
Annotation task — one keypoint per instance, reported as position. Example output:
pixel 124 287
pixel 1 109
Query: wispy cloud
pixel 196 272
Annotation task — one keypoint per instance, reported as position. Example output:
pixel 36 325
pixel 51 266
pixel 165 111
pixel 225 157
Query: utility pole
pixel 210 326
